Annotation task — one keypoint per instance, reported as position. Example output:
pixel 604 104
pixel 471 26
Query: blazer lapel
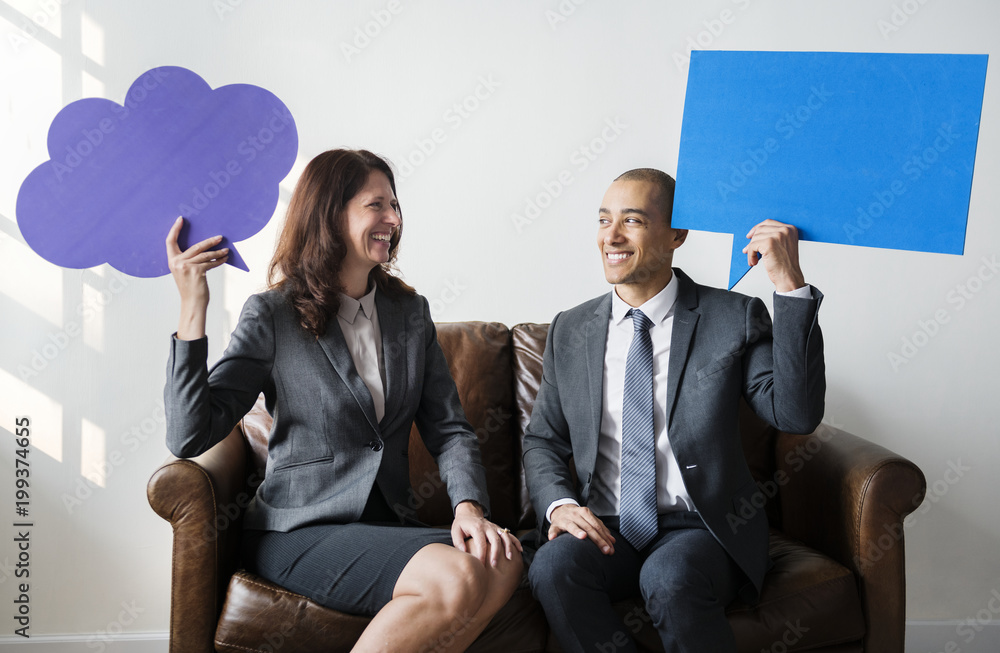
pixel 596 332
pixel 335 347
pixel 395 352
pixel 685 320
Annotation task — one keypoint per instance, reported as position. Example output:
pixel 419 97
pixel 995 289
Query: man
pixel 646 403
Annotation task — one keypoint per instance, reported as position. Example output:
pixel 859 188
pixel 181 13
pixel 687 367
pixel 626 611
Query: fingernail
pixel 607 549
pixel 509 556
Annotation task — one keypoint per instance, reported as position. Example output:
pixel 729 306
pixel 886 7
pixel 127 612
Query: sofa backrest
pixel 528 341
pixel 480 359
pixel 497 371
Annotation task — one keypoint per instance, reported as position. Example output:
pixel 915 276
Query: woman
pixel 347 358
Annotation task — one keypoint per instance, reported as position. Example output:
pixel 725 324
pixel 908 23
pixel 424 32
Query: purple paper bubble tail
pixel 738 267
pixel 235 258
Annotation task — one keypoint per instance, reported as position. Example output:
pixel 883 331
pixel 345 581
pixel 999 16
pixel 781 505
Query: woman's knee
pixel 461 584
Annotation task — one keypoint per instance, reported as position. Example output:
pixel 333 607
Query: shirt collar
pixel 657 308
pixel 349 306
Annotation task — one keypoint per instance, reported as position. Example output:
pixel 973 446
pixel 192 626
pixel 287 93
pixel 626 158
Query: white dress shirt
pixel 359 322
pixel 671 494
pixel 606 489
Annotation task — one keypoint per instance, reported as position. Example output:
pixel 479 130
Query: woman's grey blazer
pixel 326 448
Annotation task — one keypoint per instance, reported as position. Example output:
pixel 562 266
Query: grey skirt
pixel 352 568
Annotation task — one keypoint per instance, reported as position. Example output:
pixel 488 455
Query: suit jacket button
pixel 376 445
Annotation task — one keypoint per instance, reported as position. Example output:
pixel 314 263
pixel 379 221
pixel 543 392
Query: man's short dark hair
pixel 662 180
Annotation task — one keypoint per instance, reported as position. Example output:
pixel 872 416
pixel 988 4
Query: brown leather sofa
pixel 835 503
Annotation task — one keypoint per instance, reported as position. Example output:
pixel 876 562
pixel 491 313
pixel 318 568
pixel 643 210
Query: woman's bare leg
pixel 443 599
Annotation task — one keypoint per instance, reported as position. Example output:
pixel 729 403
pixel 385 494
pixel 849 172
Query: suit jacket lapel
pixel 685 320
pixel 395 352
pixel 335 347
pixel 596 332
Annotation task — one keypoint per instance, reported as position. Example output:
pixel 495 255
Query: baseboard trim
pixel 123 643
pixel 954 636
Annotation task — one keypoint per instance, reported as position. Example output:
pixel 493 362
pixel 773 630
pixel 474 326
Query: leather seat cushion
pixel 261 616
pixel 809 598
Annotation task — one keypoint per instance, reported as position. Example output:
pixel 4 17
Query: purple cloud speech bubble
pixel 119 175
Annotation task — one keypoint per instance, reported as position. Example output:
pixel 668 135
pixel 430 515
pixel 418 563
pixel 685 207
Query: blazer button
pixel 376 445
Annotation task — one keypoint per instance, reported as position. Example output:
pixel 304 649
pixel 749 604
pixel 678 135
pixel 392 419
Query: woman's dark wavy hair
pixel 311 249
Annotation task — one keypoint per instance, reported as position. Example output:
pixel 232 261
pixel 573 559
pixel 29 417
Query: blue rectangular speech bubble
pixel 852 148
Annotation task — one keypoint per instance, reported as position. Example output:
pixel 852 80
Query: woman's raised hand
pixel 188 268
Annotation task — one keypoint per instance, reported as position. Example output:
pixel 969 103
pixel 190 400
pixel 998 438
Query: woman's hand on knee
pixel 472 533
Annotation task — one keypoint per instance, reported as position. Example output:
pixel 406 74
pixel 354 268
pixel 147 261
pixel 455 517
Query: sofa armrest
pixel 203 499
pixel 847 497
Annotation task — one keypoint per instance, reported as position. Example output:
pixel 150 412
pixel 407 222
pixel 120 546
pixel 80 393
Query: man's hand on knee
pixel 581 523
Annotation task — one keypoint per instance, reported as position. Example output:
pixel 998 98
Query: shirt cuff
pixel 805 292
pixel 555 504
pixel 174 338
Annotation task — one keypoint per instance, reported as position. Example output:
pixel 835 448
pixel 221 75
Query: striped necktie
pixel 638 460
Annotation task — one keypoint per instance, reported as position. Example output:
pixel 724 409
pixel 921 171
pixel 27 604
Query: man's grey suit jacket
pixel 722 346
pixel 326 448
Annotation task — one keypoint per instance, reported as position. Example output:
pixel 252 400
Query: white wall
pixel 97 398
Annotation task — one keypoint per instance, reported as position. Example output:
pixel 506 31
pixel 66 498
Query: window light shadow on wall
pixel 54 356
pixel 58 51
